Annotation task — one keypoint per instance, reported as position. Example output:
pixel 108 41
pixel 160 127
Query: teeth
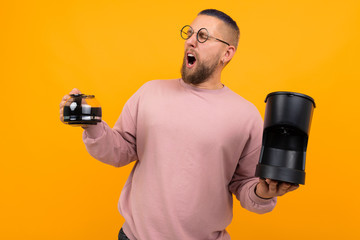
pixel 191 59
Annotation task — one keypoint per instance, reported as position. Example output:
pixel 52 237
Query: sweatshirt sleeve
pixel 244 181
pixel 114 146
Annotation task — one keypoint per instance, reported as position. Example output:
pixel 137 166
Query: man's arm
pixel 116 146
pixel 244 182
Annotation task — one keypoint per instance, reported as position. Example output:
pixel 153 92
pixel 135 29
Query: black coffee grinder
pixel 286 131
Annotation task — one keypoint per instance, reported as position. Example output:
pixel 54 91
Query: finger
pixel 263 184
pixel 61 116
pixel 293 187
pixel 75 91
pixel 63 100
pixel 262 181
pixel 283 188
pixel 273 186
pixel 62 104
pixel 262 188
pixel 66 97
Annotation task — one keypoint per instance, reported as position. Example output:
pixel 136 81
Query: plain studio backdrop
pixel 51 188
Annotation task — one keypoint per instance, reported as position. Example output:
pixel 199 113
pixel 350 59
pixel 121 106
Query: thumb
pixel 75 91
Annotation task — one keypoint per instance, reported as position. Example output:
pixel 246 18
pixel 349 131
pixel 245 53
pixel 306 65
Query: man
pixel 195 143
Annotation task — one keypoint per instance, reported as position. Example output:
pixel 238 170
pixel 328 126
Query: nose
pixel 191 41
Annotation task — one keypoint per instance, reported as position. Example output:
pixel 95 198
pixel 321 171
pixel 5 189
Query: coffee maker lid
pixel 291 94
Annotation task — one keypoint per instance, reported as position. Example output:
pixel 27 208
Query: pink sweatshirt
pixel 194 148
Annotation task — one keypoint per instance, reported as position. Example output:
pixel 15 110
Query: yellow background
pixel 52 189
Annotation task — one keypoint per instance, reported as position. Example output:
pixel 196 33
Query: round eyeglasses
pixel 201 36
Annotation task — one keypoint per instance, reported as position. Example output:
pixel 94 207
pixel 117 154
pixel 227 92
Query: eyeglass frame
pixel 197 35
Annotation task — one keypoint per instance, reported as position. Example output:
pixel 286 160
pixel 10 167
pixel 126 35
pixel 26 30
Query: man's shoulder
pixel 241 102
pixel 161 82
pixel 152 87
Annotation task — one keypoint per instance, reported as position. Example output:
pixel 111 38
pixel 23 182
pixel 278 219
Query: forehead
pixel 212 24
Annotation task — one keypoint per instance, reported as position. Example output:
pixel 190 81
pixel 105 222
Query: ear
pixel 228 55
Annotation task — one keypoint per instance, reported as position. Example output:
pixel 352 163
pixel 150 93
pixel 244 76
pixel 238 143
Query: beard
pixel 200 73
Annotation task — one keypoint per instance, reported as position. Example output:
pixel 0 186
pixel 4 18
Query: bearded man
pixel 195 143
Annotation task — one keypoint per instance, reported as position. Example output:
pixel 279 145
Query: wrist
pixel 93 131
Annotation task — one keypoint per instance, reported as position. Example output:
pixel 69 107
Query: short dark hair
pixel 225 18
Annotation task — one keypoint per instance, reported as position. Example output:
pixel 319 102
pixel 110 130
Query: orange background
pixel 52 189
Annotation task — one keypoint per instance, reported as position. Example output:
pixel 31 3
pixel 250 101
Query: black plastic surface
pixel 287 123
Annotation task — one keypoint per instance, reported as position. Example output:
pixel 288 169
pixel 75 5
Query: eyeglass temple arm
pixel 222 41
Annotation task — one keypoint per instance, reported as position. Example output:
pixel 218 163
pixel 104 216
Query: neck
pixel 208 85
pixel 213 82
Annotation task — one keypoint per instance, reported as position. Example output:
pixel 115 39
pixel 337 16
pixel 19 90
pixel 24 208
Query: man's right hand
pixel 63 101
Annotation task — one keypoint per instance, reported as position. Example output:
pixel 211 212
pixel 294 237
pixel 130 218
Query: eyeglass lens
pixel 202 35
pixel 187 31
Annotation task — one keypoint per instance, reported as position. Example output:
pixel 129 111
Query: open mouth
pixel 190 59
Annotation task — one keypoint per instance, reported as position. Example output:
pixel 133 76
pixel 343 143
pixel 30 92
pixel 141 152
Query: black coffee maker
pixel 286 131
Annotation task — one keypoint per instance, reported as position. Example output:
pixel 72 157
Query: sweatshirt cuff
pixel 255 198
pixel 94 131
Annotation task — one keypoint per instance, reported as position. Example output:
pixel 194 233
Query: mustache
pixel 192 51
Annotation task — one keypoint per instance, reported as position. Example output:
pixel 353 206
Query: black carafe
pixel 81 110
pixel 286 132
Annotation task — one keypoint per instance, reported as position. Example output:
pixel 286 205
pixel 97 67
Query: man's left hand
pixel 270 188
